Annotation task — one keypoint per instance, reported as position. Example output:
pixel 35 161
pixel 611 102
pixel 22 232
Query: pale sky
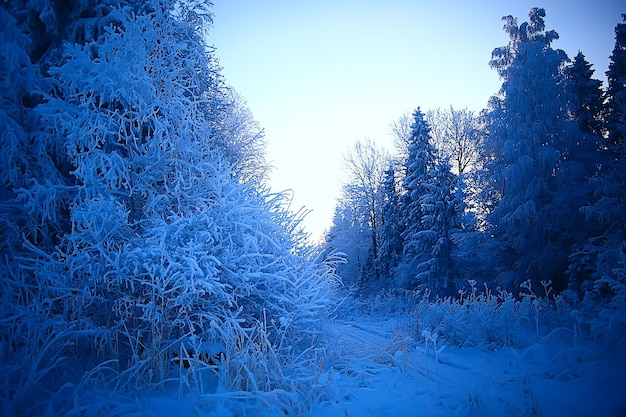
pixel 320 75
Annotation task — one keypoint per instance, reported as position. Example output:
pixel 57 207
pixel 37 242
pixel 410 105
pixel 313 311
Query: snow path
pixel 379 369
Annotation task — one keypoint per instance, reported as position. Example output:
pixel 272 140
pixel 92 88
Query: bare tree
pixel 401 130
pixel 456 134
pixel 366 164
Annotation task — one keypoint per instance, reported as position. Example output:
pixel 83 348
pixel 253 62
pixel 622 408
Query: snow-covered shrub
pixel 479 318
pixel 495 319
pixel 133 234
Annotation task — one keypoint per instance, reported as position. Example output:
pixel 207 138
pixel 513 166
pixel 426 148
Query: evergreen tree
pixel 391 236
pixel 584 159
pixel 419 167
pixel 587 95
pixel 616 92
pixel 612 203
pixel 530 127
pixel 442 208
pixel 419 163
pixel 600 262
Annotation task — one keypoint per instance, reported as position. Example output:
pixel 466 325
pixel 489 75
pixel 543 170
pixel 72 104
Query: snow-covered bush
pixel 134 236
pixel 480 318
pixel 491 319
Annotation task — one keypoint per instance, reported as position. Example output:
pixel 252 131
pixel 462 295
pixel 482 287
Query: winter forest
pixel 148 268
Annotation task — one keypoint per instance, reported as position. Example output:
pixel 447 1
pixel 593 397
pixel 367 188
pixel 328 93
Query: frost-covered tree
pixel 587 95
pixel 616 95
pixel 599 262
pixel 421 160
pixel 392 225
pixel 584 159
pixel 457 136
pixel 419 167
pixel 612 204
pixel 350 235
pixel 19 77
pixel 442 208
pixel 401 131
pixel 529 133
pixel 365 165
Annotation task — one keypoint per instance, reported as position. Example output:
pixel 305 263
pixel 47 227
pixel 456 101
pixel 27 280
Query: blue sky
pixel 319 75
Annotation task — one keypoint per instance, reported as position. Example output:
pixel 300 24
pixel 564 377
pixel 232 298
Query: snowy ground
pixel 388 374
pixel 380 367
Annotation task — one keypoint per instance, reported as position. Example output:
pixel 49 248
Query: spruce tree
pixel 600 263
pixel 419 167
pixel 616 92
pixel 587 95
pixel 528 135
pixel 392 227
pixel 584 159
pixel 442 208
pixel 605 253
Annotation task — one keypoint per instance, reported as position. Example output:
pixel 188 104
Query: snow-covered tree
pixel 350 235
pixel 585 158
pixel 442 209
pixel 616 92
pixel 401 131
pixel 457 136
pixel 587 95
pixel 419 167
pixel 612 204
pixel 529 131
pixel 599 261
pixel 392 225
pixel 365 165
pixel 242 139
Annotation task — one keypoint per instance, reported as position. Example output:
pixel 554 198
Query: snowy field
pixel 379 366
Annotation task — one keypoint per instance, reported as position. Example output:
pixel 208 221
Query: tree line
pixel 530 189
